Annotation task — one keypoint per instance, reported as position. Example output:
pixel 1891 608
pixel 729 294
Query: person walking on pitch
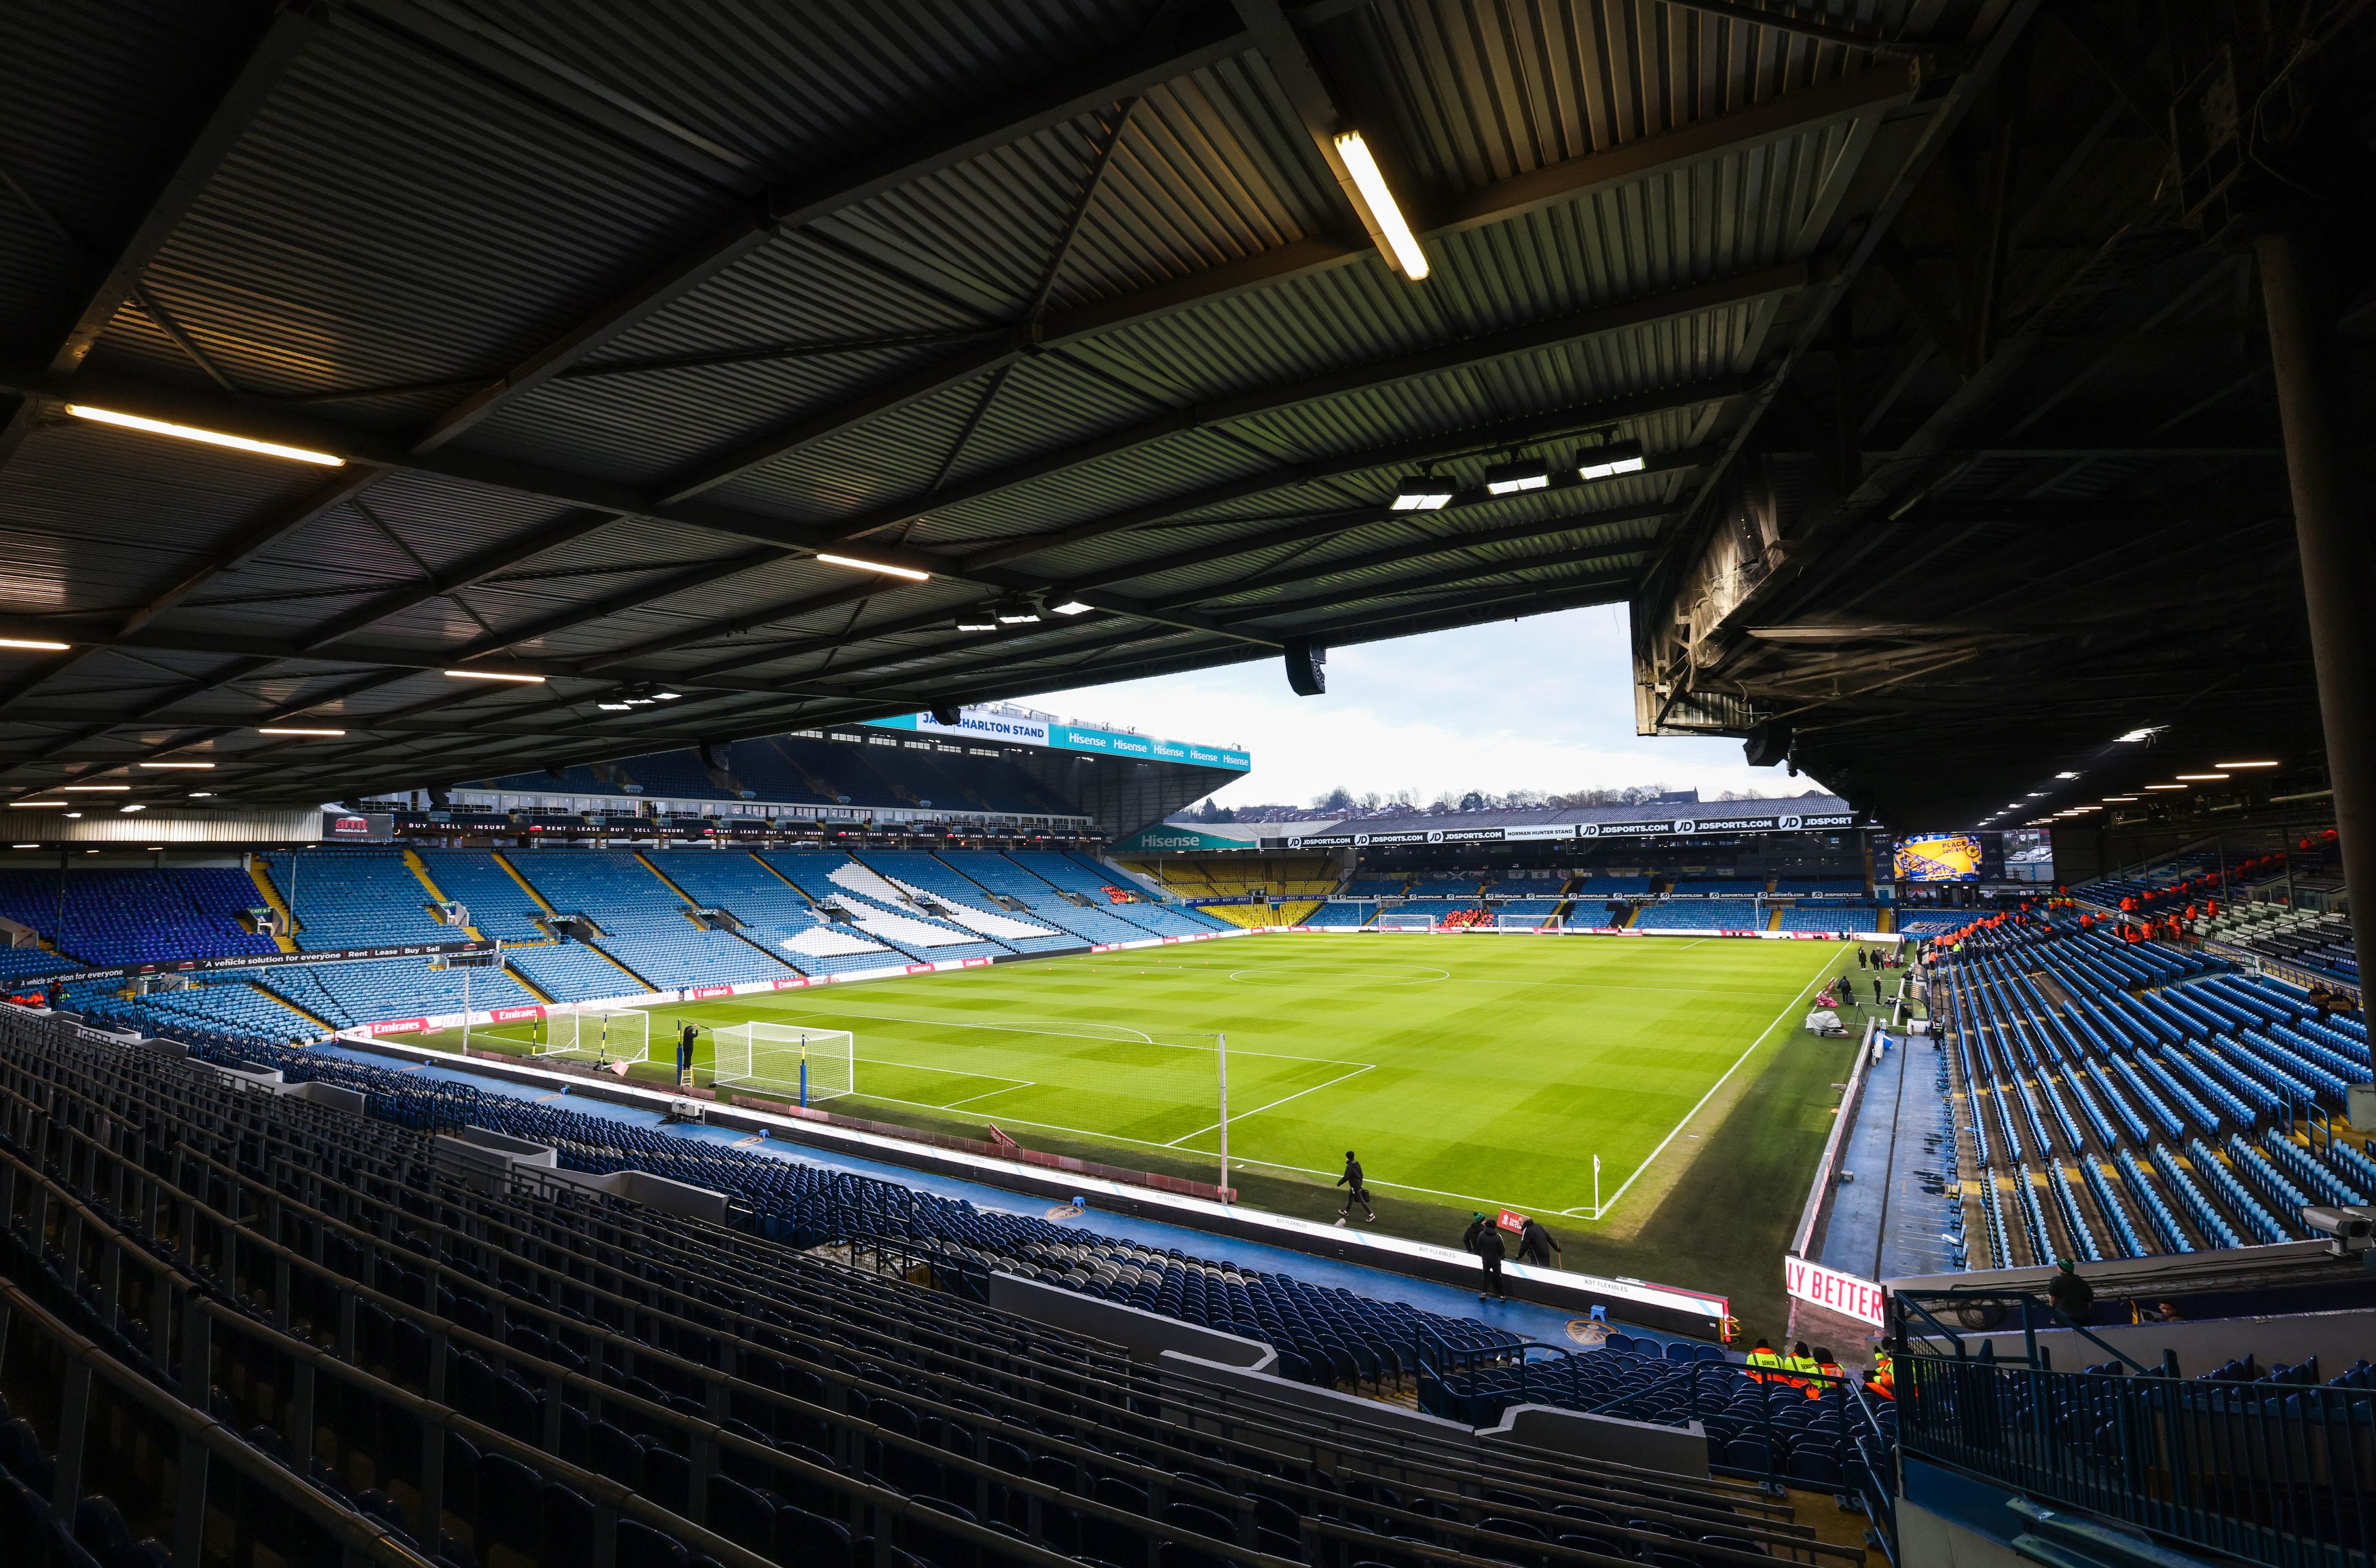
pixel 1355 1192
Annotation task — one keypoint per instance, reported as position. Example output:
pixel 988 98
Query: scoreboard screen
pixel 1941 857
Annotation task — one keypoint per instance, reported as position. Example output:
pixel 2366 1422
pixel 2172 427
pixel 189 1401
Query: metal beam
pixel 1797 24
pixel 1621 316
pixel 284 38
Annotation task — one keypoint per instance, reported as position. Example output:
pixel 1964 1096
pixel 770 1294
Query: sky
pixel 1545 703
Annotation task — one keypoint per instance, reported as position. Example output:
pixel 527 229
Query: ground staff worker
pixel 1831 1379
pixel 1882 1379
pixel 1802 1365
pixel 1764 1364
pixel 684 1053
pixel 1484 1238
pixel 1355 1191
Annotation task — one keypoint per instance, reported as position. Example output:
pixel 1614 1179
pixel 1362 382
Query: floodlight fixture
pixel 35 643
pixel 2243 765
pixel 495 675
pixel 2201 777
pixel 1510 478
pixel 284 730
pixel 2140 735
pixel 1609 460
pixel 1422 492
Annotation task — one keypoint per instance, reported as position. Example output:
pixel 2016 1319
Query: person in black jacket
pixel 1536 1244
pixel 1354 1192
pixel 1484 1238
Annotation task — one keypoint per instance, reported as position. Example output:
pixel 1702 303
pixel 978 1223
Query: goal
pixel 1405 923
pixel 787 1061
pixel 599 1037
pixel 1526 922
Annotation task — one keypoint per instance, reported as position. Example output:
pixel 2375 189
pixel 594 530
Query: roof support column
pixel 2327 435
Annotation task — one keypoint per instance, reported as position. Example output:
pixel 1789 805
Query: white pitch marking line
pixel 1365 1067
pixel 1017 1084
pixel 1602 1211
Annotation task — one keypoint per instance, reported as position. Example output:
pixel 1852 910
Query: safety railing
pixel 2280 1474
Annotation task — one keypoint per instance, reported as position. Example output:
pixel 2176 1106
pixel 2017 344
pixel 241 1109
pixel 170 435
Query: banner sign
pixel 1836 1292
pixel 1665 827
pixel 1015 729
pixel 1165 835
pixel 1511 1219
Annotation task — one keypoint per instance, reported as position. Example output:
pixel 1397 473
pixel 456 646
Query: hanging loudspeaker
pixel 1307 667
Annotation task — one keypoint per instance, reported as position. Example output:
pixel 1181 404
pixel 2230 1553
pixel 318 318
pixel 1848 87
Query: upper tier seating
pixel 881 911
pixel 120 916
pixel 926 877
pixel 355 898
pixel 1100 921
pixel 644 924
pixel 500 907
pixel 774 913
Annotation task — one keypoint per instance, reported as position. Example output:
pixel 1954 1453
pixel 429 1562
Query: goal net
pixel 784 1061
pixel 599 1037
pixel 1405 923
pixel 1525 922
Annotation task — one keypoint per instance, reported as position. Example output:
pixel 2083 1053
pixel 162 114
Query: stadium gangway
pixel 2321 1176
pixel 2251 1472
pixel 288 1270
pixel 2199 1208
pixel 2124 1233
pixel 2167 1120
pixel 2182 1068
pixel 1475 1389
pixel 2158 1213
pixel 2133 1123
pixel 2073 1220
pixel 216 1472
pixel 2238 1196
pixel 2259 1172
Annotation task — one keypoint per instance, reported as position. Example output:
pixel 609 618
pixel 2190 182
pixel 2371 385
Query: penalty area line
pixel 1601 1211
pixel 1365 1067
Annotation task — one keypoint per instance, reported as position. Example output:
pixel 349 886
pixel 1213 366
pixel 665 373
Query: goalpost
pixel 786 1061
pixel 601 1037
pixel 1526 922
pixel 1391 922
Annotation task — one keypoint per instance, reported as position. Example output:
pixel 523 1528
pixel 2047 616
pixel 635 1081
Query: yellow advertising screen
pixel 1946 857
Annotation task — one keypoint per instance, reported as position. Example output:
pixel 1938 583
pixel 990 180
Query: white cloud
pixel 1540 704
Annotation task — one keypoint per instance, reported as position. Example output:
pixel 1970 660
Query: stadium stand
pixel 805 1411
pixel 1703 914
pixel 501 908
pixel 118 916
pixel 775 914
pixel 1337 914
pixel 355 898
pixel 644 925
pixel 880 910
pixel 2187 1094
pixel 1831 917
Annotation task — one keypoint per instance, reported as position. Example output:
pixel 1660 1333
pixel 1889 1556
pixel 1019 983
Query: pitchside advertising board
pixel 1836 1292
pixel 989 724
pixel 1665 827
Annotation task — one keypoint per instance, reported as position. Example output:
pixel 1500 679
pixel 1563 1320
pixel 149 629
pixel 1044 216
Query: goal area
pixel 1527 923
pixel 622 1035
pixel 1392 922
pixel 784 1061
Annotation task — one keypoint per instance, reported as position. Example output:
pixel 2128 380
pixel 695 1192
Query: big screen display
pixel 1942 857
pixel 2016 855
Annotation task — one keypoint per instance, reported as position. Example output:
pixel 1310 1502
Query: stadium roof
pixel 626 321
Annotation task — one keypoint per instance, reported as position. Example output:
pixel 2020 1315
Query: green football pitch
pixel 1465 1071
